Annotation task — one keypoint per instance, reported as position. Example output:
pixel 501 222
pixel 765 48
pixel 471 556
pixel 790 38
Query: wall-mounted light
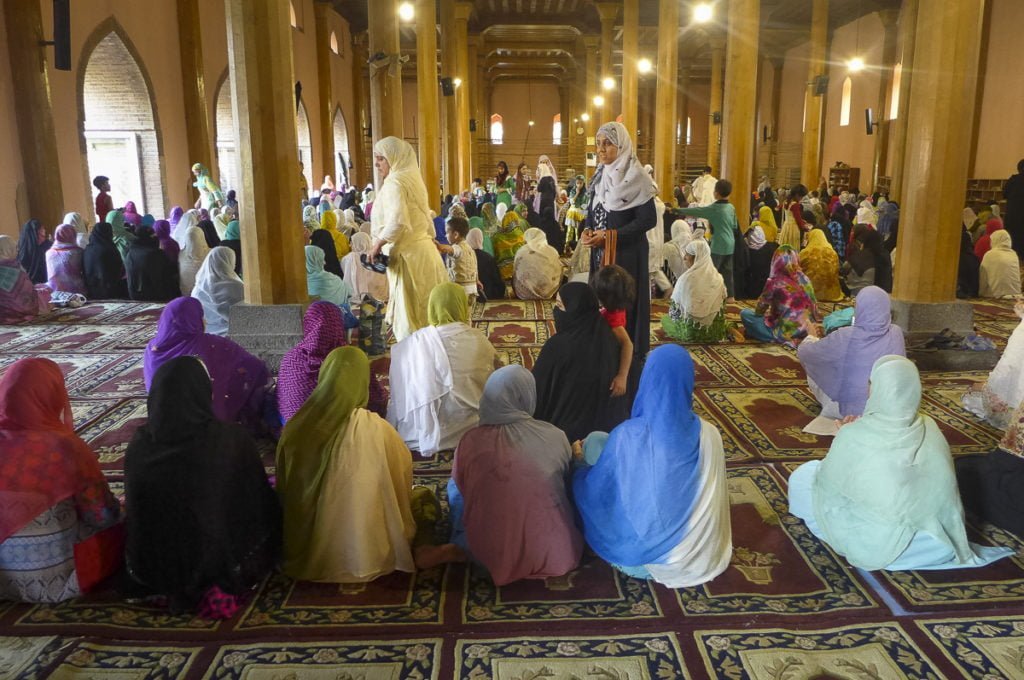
pixel 457 81
pixel 598 101
pixel 608 83
pixel 855 65
pixel 703 13
pixel 530 123
pixel 584 117
pixel 406 12
pixel 644 65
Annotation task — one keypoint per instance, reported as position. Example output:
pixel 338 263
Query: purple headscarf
pixel 176 214
pixel 841 362
pixel 323 331
pixel 239 379
pixel 162 230
pixel 131 215
pixel 64 265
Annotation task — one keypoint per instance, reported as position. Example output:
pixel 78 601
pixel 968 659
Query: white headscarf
pixel 865 216
pixel 188 220
pixel 361 243
pixel 500 211
pixel 682 234
pixel 191 257
pixel 218 288
pixel 994 208
pixel 536 240
pixel 700 291
pixel 406 195
pixel 623 183
pixel 969 218
pixel 545 168
pixel 755 237
pixel 76 221
pixel 475 239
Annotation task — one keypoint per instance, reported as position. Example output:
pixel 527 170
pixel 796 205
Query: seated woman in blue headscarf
pixel 885 496
pixel 652 494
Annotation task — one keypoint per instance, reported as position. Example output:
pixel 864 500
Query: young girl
pixel 615 289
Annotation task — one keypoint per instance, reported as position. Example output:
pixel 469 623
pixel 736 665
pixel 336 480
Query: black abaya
pixel 151 276
pixel 103 266
pixel 489 275
pixel 31 253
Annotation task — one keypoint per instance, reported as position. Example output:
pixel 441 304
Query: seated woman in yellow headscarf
pixel 821 265
pixel 345 480
pixel 766 220
pixel 329 223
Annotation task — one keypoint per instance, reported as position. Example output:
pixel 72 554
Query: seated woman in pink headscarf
pixel 64 262
pixel 239 379
pixel 20 300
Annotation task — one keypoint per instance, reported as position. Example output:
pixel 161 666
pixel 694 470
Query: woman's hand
pixel 618 387
pixel 847 420
pixel 378 245
pixel 577 449
pixel 593 238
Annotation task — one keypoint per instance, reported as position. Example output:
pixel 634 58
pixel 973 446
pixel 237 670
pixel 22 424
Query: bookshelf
pixel 844 178
pixel 982 193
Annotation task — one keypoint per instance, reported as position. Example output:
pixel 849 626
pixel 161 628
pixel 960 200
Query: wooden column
pixel 630 50
pixel 941 107
pixel 564 95
pixel 592 44
pixel 263 85
pixel 715 106
pixel 33 112
pixel 777 63
pixel 888 17
pixel 898 128
pixel 386 113
pixel 740 106
pixel 462 95
pixel 197 115
pixel 426 100
pixel 683 104
pixel 810 158
pixel 608 12
pixel 322 11
pixel 475 45
pixel 361 173
pixel 664 157
pixel 449 106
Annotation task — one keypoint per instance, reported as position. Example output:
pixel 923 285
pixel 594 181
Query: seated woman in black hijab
pixel 151 276
pixel 576 367
pixel 103 266
pixel 203 520
pixel 323 240
pixel 209 233
pixel 32 247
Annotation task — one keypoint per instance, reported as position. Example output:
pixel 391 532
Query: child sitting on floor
pixel 615 289
pixel 461 257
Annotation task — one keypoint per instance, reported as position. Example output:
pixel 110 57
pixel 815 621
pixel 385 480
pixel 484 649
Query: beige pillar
pixel 898 128
pixel 33 113
pixel 630 55
pixel 683 104
pixel 197 116
pixel 593 88
pixel 426 100
pixel 740 106
pixel 564 95
pixel 608 12
pixel 715 106
pixel 664 157
pixel 263 83
pixel 475 44
pixel 810 158
pixel 322 11
pixel 386 114
pixel 361 174
pixel 463 10
pixel 777 63
pixel 941 107
pixel 449 105
pixel 888 17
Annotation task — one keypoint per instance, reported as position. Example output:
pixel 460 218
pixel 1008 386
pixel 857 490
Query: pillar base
pixel 266 331
pixel 921 320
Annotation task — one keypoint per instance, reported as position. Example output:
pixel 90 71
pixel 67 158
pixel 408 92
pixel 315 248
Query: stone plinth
pixel 922 320
pixel 266 331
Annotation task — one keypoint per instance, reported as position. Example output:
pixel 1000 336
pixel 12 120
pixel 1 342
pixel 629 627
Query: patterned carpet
pixel 787 608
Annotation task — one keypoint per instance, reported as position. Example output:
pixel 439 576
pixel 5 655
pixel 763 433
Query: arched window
pixel 121 141
pixel 295 19
pixel 334 43
pixel 305 144
pixel 556 129
pixel 894 105
pixel 497 129
pixel 227 145
pixel 844 107
pixel 341 155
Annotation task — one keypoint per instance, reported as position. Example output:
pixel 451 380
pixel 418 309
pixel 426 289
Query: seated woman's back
pixel 201 512
pixel 151 275
pixel 218 288
pixel 344 477
pixel 820 263
pixel 64 262
pixel 1000 268
pixel 538 270
pixel 19 299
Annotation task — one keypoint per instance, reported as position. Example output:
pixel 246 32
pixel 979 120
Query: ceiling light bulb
pixel 584 117
pixel 598 101
pixel 703 13
pixel 644 65
pixel 530 123
pixel 406 12
pixel 457 82
pixel 856 64
pixel 608 83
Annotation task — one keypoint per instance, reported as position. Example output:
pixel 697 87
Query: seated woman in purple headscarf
pixel 239 379
pixel 838 366
pixel 64 262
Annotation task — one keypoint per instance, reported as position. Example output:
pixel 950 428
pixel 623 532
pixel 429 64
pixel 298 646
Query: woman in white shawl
pixel 538 270
pixel 438 375
pixel 697 310
pixel 682 234
pixel 322 284
pixel 363 281
pixel 191 258
pixel 401 219
pixel 1000 268
pixel 218 288
pixel 997 398
pixel 76 221
pixel 188 220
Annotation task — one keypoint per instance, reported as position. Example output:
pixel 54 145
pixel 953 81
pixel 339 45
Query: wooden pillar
pixel 740 105
pixel 592 44
pixel 630 49
pixel 37 139
pixel 683 108
pixel 810 158
pixel 386 112
pixel 463 10
pixel 322 12
pixel 608 12
pixel 263 85
pixel 777 64
pixel 197 116
pixel 898 128
pixel 361 173
pixel 888 17
pixel 475 88
pixel 664 158
pixel 715 104
pixel 564 96
pixel 426 100
pixel 449 106
pixel 941 107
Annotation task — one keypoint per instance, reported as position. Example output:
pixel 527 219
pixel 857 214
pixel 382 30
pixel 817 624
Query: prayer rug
pixel 28 657
pixel 607 657
pixel 868 650
pixel 980 647
pixel 513 310
pixel 778 567
pixel 120 661
pixel 709 370
pixel 516 333
pixel 108 613
pixel 768 365
pixel 416 659
pixel 110 434
pixel 93 338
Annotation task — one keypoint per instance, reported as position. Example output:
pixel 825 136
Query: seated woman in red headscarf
pixel 54 502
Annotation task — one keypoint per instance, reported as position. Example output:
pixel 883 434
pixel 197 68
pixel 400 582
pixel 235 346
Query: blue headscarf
pixel 637 499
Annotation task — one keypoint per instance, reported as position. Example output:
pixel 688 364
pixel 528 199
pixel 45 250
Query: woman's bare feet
pixel 427 556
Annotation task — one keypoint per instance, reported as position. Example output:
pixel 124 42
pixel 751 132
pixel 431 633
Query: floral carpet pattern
pixel 787 608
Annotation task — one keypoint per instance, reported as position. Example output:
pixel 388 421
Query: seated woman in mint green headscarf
pixel 885 496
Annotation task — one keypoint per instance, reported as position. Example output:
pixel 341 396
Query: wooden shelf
pixel 982 193
pixel 844 179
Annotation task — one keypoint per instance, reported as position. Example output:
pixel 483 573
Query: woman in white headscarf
pixel 191 258
pixel 697 310
pixel 401 219
pixel 1000 268
pixel 538 270
pixel 188 220
pixel 76 221
pixel 218 288
pixel 363 281
pixel 682 234
pixel 622 200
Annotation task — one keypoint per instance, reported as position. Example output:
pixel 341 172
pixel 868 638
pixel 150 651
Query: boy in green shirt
pixel 721 215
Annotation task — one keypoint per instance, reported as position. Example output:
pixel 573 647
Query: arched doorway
pixel 119 132
pixel 227 145
pixel 305 146
pixel 342 159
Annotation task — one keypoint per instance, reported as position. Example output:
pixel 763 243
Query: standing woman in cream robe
pixel 401 218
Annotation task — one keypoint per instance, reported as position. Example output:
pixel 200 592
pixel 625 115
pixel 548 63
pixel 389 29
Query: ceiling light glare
pixel 406 12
